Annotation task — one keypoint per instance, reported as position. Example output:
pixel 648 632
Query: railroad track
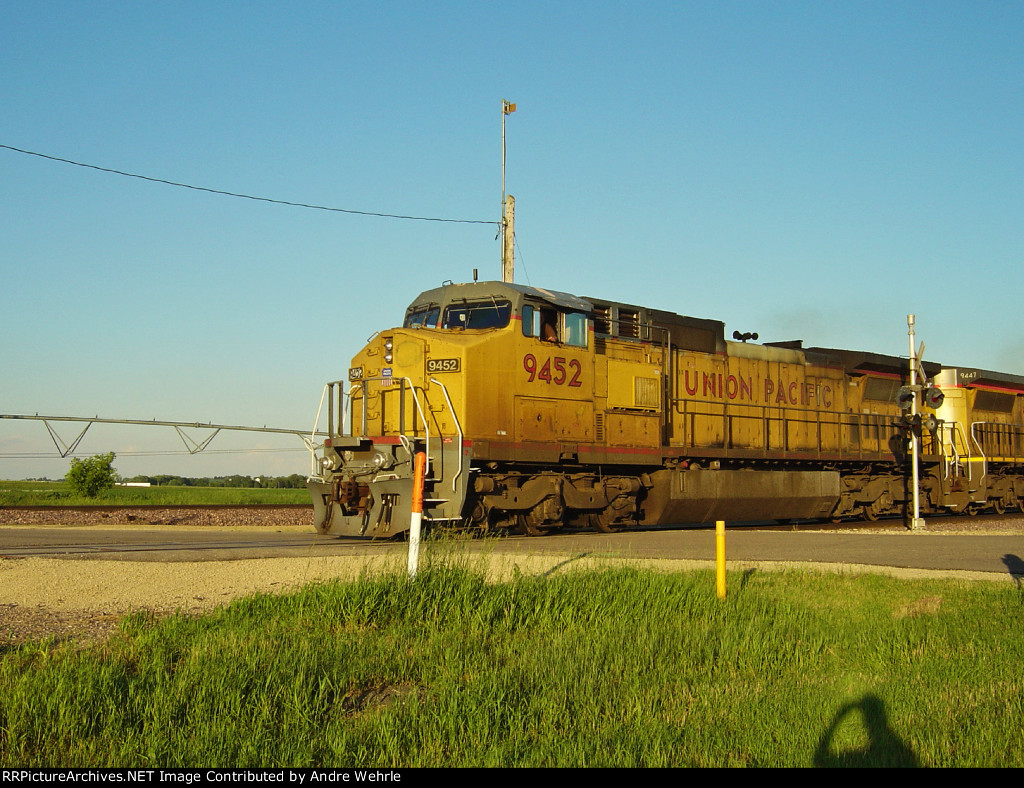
pixel 213 515
pixel 201 515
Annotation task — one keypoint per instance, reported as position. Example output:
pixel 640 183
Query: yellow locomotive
pixel 539 410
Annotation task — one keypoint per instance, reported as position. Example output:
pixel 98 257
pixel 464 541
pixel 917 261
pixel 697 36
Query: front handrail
pixel 458 429
pixel 315 466
pixel 346 403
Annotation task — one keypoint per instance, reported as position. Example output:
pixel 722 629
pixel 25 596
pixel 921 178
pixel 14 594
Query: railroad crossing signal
pixel 933 397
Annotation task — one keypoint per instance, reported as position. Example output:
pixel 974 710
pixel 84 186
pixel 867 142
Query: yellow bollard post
pixel 720 556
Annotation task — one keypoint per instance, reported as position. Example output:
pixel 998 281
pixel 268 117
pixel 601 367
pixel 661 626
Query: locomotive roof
pixel 969 377
pixel 709 335
pixel 862 362
pixel 454 292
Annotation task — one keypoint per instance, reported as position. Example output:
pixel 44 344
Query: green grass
pixel 36 493
pixel 614 668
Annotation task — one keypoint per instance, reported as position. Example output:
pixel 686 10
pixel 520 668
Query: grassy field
pixel 613 668
pixel 36 493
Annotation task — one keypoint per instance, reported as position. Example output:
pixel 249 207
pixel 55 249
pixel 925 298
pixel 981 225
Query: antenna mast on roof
pixel 508 208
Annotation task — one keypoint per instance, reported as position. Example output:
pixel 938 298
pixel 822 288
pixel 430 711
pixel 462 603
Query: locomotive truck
pixel 539 410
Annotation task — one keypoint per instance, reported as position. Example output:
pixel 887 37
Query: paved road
pixel 997 553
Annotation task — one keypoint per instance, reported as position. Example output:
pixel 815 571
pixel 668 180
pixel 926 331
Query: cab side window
pixel 551 325
pixel 540 322
pixel 530 318
pixel 575 329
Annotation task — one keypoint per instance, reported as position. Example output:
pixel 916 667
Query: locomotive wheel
pixel 972 509
pixel 602 526
pixel 523 525
pixel 869 512
pixel 998 506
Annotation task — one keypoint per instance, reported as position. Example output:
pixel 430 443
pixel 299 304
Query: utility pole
pixel 507 208
pixel 508 255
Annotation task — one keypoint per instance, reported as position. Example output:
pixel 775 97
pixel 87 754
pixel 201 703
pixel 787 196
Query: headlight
pixel 381 461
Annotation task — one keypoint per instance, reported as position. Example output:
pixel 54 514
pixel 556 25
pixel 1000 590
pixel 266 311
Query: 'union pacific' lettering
pixel 777 391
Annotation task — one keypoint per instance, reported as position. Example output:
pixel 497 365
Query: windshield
pixel 489 314
pixel 425 316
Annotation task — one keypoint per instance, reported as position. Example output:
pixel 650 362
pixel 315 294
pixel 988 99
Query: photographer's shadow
pixel 884 747
pixel 1015 566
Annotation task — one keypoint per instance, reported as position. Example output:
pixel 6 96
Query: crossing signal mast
pixel 907 398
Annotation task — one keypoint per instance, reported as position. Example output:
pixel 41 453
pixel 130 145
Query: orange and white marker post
pixel 416 518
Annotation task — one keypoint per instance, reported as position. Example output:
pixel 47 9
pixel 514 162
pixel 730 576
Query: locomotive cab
pixel 445 383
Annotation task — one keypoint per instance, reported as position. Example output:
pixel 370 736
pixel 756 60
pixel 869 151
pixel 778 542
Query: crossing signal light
pixel 905 397
pixel 933 397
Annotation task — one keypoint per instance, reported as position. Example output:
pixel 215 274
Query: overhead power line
pixel 246 196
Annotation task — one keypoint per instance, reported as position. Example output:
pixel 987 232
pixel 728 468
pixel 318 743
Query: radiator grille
pixel 645 393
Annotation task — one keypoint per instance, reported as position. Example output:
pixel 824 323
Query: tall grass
pixel 603 668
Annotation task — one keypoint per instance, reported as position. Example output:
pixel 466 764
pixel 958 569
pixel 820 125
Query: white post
pixel 419 471
pixel 916 523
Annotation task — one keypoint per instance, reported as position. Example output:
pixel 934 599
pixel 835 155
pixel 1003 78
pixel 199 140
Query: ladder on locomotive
pixel 960 461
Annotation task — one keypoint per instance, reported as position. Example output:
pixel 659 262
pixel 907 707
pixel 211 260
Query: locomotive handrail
pixel 315 466
pixel 1003 440
pixel 346 405
pixel 458 428
pixel 344 428
pixel 953 458
pixel 981 451
pixel 777 426
pixel 962 460
pixel 348 416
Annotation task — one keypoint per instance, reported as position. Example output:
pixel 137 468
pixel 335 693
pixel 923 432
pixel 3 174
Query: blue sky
pixel 803 170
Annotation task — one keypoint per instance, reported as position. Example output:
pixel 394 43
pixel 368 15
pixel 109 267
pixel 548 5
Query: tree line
pixel 293 481
pixel 92 476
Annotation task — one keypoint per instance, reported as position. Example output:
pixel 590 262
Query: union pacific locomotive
pixel 539 410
